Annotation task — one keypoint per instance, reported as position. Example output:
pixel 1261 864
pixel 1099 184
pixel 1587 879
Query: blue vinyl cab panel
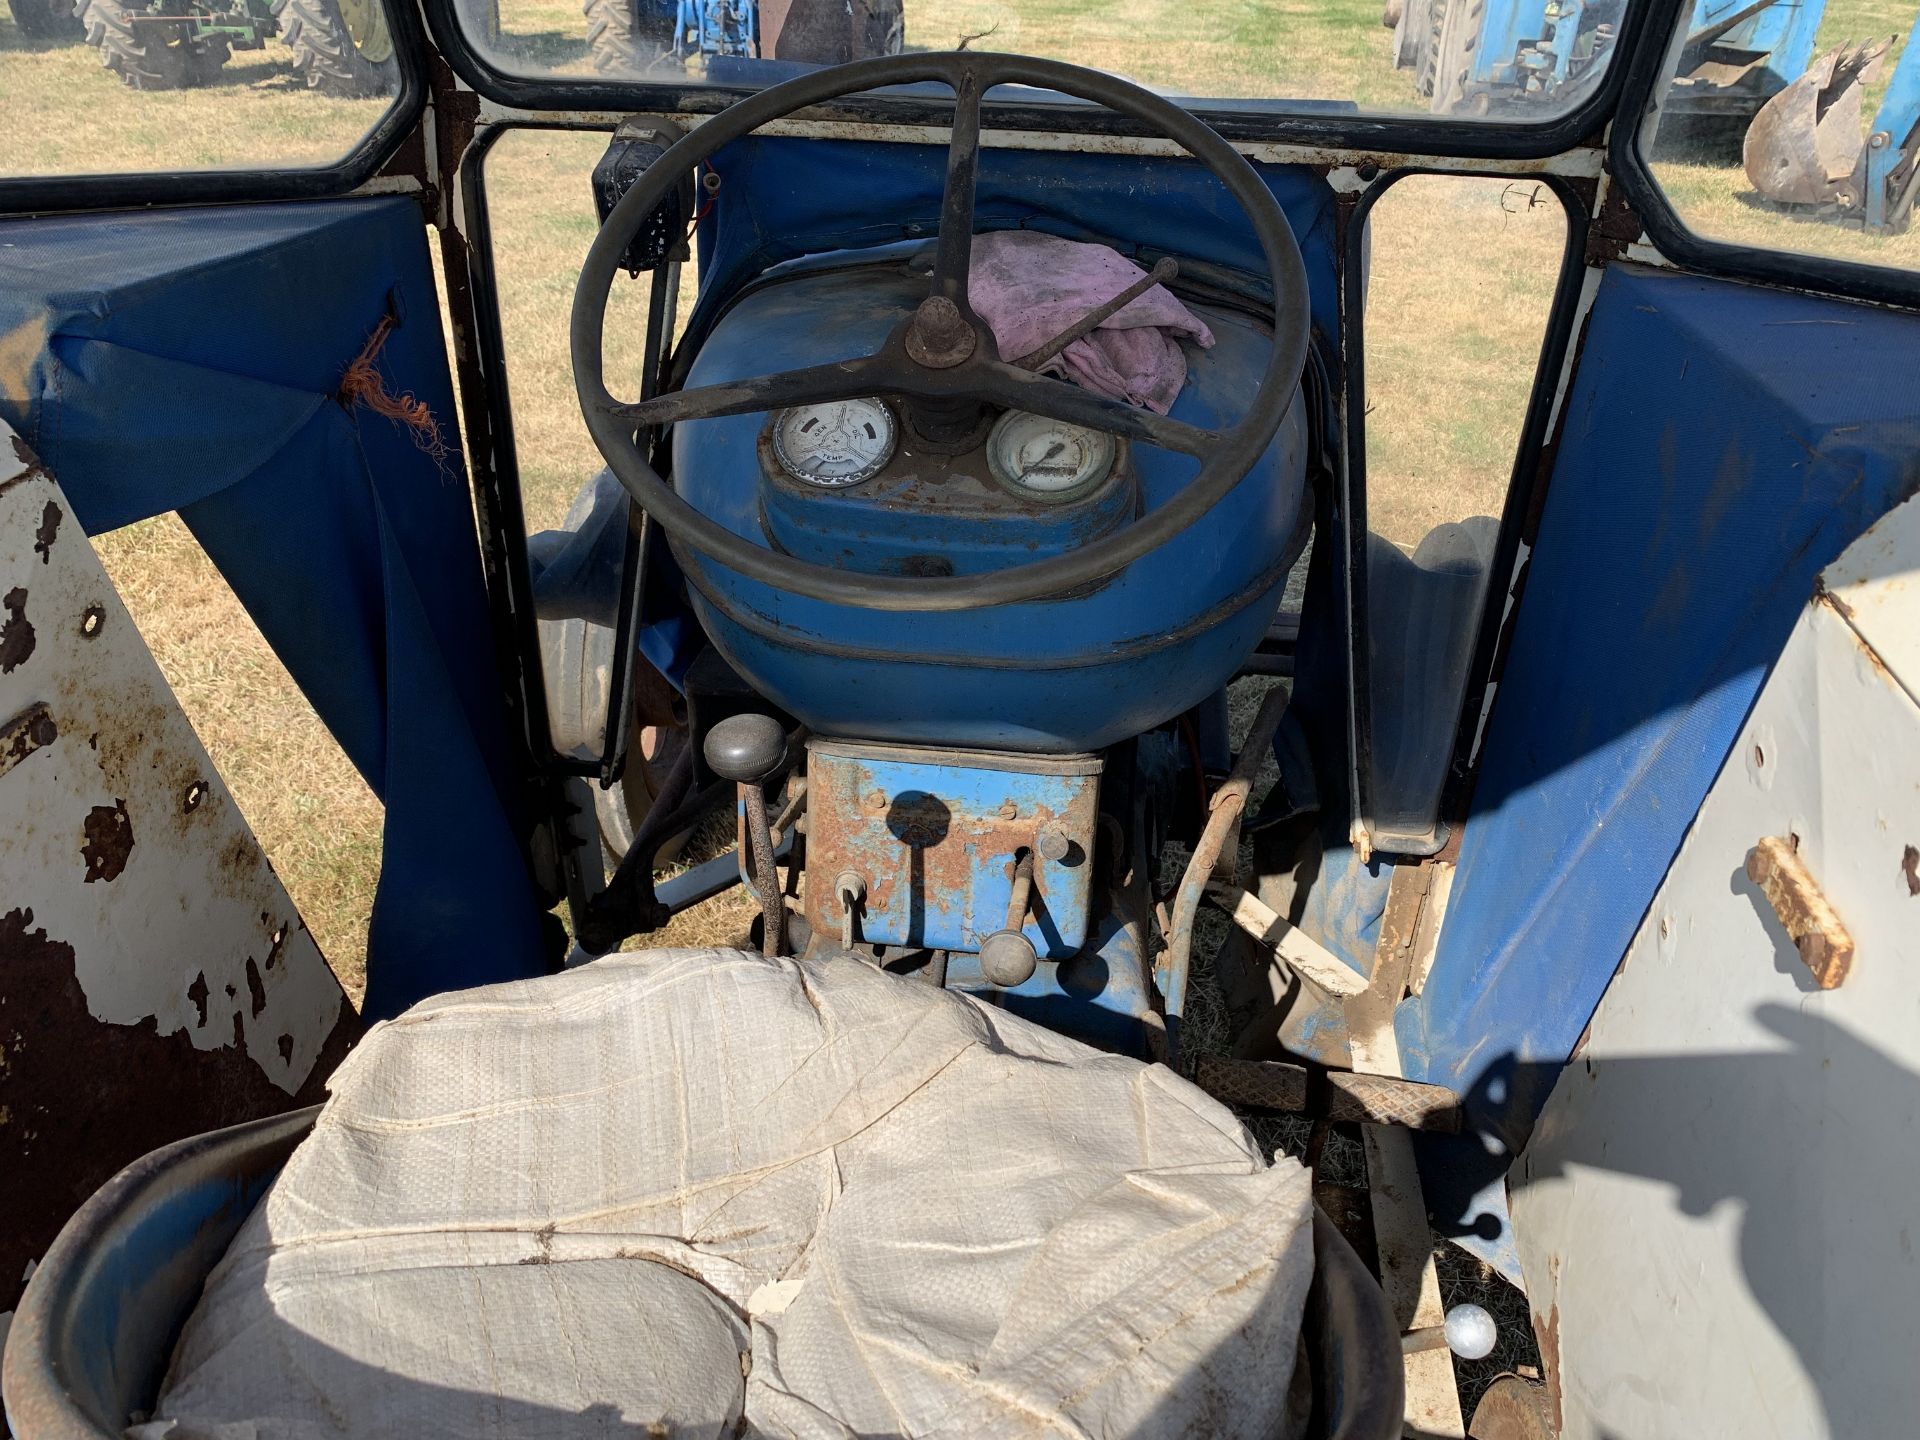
pixel 192 360
pixel 1721 444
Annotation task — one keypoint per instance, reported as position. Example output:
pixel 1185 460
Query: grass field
pixel 1460 280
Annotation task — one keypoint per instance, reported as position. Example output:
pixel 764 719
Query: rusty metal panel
pixel 933 835
pixel 155 979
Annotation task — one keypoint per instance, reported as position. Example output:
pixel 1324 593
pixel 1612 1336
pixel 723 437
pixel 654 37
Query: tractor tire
pixel 615 41
pixel 1455 35
pixel 149 55
pixel 46 19
pixel 334 56
pixel 883 29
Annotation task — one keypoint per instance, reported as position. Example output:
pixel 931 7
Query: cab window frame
pixel 119 190
pixel 1310 124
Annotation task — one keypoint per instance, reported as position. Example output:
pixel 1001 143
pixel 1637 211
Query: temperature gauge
pixel 1048 459
pixel 834 445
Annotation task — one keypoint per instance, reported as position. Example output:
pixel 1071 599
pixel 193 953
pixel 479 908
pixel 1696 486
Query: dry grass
pixel 312 813
pixel 66 115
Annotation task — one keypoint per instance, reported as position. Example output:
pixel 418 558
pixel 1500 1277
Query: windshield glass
pixel 1460 58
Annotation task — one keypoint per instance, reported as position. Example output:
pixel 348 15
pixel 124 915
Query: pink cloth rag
pixel 1030 286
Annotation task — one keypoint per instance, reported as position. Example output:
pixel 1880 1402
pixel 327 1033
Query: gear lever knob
pixel 746 749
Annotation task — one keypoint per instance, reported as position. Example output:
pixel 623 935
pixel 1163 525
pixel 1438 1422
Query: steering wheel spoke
pixel 955 253
pixel 813 385
pixel 1019 389
pixel 931 361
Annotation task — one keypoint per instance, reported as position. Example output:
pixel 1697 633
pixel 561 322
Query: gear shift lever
pixel 749 750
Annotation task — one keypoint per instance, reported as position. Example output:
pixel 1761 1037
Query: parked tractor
pixel 1746 67
pixel 340 47
pixel 633 36
pixel 1481 57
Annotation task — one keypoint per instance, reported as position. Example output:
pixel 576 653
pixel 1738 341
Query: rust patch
pixel 109 832
pixel 256 989
pixel 16 631
pixel 50 519
pixel 1614 228
pixel 32 729
pixel 1546 1333
pixel 1816 931
pixel 86 1098
pixel 1910 868
pixel 24 453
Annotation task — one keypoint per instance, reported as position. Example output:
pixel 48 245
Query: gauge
pixel 1048 459
pixel 834 445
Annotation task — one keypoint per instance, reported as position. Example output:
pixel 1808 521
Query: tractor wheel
pixel 149 54
pixel 625 41
pixel 884 31
pixel 1456 33
pixel 46 19
pixel 340 47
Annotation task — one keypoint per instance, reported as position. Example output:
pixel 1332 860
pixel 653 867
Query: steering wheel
pixel 944 354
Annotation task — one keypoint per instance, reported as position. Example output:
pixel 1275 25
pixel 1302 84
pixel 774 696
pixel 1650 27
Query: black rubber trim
pixel 60 194
pixel 1645 74
pixel 1312 124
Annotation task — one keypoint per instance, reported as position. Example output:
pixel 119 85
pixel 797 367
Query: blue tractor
pixel 1481 57
pixel 1745 67
pixel 633 36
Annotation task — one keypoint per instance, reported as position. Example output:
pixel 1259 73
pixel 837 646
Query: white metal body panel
pixel 155 978
pixel 1719 1211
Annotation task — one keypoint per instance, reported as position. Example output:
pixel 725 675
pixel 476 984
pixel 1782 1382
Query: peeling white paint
pixel 196 897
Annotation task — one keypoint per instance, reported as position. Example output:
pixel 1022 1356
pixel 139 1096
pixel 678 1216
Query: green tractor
pixel 340 47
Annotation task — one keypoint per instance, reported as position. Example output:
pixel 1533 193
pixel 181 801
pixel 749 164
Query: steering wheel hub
pixel 939 337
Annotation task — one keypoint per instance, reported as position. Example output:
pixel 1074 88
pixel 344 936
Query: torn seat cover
pixel 702 1192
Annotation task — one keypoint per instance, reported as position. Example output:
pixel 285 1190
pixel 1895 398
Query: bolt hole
pixel 91 621
pixel 279 935
pixel 196 792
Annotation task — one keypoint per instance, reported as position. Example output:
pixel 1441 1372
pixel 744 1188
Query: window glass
pixel 1456 57
pixel 1451 351
pixel 118 86
pixel 1797 128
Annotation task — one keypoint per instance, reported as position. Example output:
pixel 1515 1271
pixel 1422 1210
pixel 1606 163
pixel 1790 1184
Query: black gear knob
pixel 746 749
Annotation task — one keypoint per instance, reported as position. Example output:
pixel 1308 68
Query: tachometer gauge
pixel 1048 459
pixel 834 445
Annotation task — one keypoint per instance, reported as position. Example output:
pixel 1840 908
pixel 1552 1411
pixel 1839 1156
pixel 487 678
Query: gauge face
pixel 834 445
pixel 1048 459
